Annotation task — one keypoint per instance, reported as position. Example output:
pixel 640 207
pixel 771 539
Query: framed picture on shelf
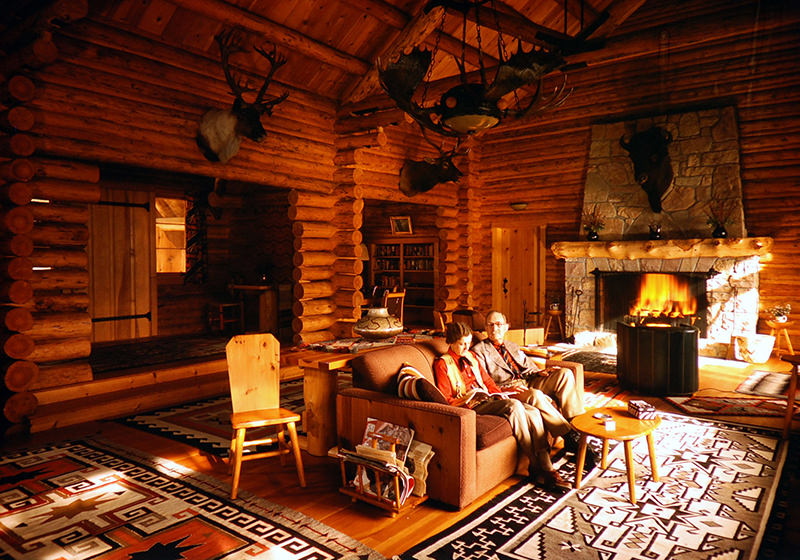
pixel 401 225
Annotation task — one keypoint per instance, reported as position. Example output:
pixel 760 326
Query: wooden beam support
pixel 232 16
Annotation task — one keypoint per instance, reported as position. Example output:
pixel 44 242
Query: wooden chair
pixel 254 377
pixel 439 321
pixel 393 301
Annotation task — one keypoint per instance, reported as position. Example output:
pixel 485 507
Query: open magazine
pixel 477 396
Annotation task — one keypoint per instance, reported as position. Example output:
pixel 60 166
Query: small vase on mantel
pixel 591 235
pixel 719 232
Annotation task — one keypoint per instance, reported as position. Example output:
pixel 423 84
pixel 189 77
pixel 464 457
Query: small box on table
pixel 641 410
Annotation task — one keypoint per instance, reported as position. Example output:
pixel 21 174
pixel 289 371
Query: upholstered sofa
pixel 472 453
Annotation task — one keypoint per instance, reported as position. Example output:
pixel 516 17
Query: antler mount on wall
pixel 221 130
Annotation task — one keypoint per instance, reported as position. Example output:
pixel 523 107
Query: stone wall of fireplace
pixel 731 289
pixel 704 154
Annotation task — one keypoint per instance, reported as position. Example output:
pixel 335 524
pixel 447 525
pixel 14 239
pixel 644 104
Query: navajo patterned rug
pixel 89 499
pixel 717 487
pixel 206 424
pixel 729 406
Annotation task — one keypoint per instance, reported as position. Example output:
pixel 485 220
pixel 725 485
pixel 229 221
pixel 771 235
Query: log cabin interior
pixel 122 240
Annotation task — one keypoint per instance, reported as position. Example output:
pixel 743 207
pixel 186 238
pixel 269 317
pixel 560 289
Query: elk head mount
pixel 652 167
pixel 421 176
pixel 221 131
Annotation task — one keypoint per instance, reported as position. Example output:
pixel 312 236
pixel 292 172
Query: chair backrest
pixel 533 335
pixel 393 301
pixel 438 321
pixel 254 371
pixel 474 319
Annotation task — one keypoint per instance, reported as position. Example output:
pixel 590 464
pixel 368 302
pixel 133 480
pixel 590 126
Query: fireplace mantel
pixel 664 248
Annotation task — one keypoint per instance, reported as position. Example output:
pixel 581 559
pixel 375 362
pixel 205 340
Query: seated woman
pixel 464 382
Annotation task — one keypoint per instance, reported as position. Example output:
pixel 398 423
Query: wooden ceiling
pixel 332 45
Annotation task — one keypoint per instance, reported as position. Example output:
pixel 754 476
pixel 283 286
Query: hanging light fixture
pixel 477 103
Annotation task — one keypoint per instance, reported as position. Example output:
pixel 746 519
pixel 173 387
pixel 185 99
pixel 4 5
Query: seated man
pixel 463 382
pixel 512 370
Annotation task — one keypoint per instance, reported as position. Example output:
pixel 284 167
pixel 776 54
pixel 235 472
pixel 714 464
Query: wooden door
pixel 122 266
pixel 518 273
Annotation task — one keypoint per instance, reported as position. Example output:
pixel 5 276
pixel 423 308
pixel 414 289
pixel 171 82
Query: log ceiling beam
pixel 412 34
pixel 617 12
pixel 230 15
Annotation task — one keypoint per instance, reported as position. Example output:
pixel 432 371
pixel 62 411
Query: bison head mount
pixel 421 176
pixel 652 167
pixel 221 130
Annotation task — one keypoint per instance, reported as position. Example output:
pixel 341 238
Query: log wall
pixel 749 62
pixel 109 98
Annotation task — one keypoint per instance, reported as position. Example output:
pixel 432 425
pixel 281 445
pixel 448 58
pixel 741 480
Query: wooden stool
pixel 627 429
pixel 780 329
pixel 554 314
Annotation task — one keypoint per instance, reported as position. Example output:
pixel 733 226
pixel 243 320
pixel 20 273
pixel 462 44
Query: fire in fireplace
pixel 671 299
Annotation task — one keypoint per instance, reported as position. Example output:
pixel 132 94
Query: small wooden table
pixel 777 329
pixel 627 429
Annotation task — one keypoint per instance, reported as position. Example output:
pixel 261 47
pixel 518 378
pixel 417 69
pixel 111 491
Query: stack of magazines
pixel 385 448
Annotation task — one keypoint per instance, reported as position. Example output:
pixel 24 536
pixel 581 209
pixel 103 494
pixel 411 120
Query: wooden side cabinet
pixel 411 265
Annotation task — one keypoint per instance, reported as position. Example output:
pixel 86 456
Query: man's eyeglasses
pixel 495 324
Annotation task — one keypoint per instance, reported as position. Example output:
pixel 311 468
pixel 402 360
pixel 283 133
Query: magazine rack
pixel 358 490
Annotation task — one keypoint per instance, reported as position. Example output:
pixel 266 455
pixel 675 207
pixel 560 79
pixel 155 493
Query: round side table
pixel 777 329
pixel 554 314
pixel 627 429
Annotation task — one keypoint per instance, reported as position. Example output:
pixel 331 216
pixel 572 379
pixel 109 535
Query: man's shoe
pixel 550 481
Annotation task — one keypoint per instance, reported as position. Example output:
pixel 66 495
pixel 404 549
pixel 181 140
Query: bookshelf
pixel 411 265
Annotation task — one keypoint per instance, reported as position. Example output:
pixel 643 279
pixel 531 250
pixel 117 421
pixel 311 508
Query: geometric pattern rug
pixel 765 383
pixel 729 406
pixel 86 499
pixel 716 490
pixel 206 424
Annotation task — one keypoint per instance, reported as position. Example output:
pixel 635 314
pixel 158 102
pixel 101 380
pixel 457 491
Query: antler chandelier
pixel 477 103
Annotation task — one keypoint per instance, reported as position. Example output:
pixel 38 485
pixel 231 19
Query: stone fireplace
pixel 704 154
pixel 731 284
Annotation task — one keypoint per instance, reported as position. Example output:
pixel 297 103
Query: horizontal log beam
pixel 664 248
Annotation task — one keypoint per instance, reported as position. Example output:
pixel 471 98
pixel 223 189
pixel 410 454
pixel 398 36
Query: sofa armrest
pixel 577 371
pixel 449 430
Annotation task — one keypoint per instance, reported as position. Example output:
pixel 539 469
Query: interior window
pixel 170 235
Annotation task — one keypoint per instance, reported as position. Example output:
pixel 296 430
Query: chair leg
pixel 297 459
pixel 237 460
pixel 281 446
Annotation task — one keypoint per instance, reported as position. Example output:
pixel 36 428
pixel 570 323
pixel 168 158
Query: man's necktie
pixel 506 355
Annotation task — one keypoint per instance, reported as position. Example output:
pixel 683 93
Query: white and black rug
pixel 91 499
pixel 716 490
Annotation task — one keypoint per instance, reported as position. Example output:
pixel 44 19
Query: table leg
pixel 319 421
pixel 788 342
pixel 604 460
pixel 653 463
pixel 631 473
pixel 790 396
pixel 581 460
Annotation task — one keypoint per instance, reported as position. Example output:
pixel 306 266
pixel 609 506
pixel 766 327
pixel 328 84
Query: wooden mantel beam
pixel 231 15
pixel 664 248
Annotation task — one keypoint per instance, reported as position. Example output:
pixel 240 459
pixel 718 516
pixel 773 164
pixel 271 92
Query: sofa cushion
pixel 377 370
pixel 490 429
pixel 411 384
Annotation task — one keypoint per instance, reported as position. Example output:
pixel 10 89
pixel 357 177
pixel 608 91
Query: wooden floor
pixel 322 501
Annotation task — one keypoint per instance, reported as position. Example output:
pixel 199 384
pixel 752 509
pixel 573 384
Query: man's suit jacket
pixel 496 366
